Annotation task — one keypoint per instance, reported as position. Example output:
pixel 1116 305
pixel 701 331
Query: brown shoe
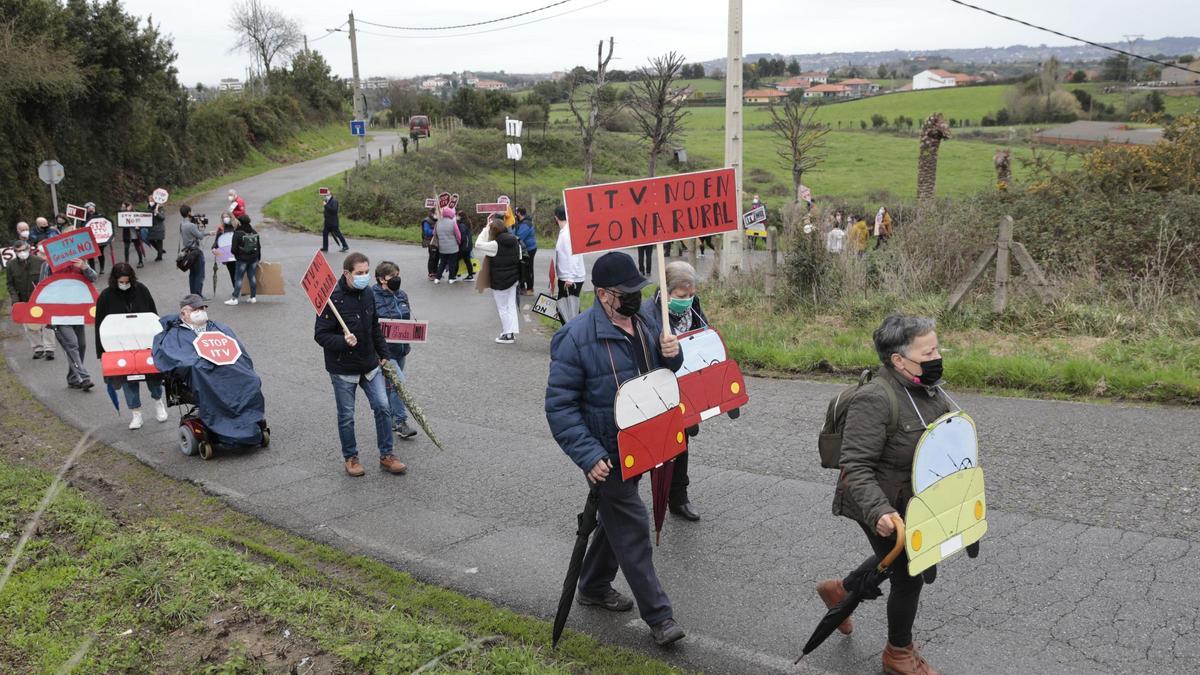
pixel 905 661
pixel 390 464
pixel 354 467
pixel 832 592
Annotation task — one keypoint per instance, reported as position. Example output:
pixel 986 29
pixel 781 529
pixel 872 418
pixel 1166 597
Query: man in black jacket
pixel 353 358
pixel 332 225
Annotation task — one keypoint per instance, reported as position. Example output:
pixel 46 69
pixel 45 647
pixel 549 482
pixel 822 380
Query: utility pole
pixel 731 257
pixel 359 112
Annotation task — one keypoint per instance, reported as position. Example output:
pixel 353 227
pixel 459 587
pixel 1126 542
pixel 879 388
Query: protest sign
pixel 651 210
pixel 160 196
pixel 223 253
pixel 217 348
pixel 7 254
pixel 76 212
pixel 134 219
pixel 498 206
pixel 102 228
pixel 446 199
pixel 755 216
pixel 74 245
pixel 547 306
pixel 404 331
pixel 323 191
pixel 318 282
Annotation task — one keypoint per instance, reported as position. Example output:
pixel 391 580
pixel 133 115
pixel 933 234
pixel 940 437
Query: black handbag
pixel 186 258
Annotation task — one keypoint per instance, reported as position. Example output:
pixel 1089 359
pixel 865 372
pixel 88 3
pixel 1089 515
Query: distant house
pixel 763 95
pixel 1087 133
pixel 681 94
pixel 816 76
pixel 936 78
pixel 490 85
pixel 827 91
pixel 859 87
pixel 434 83
pixel 1177 74
pixel 793 83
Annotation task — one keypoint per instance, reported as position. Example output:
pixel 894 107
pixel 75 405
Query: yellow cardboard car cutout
pixel 948 508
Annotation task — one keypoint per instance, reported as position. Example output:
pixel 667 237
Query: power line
pixel 1077 39
pixel 328 32
pixel 481 32
pixel 468 25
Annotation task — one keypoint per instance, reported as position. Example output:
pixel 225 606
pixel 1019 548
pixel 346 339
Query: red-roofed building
pixel 763 95
pixel 794 83
pixel 936 78
pixel 859 87
pixel 828 91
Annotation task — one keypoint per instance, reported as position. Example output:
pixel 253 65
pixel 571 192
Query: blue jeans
pixel 399 412
pixel 196 277
pixel 133 396
pixel 249 269
pixel 343 394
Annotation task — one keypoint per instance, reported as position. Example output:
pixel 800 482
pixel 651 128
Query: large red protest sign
pixel 77 244
pixel 651 210
pixel 318 282
pixel 403 331
pixel 217 348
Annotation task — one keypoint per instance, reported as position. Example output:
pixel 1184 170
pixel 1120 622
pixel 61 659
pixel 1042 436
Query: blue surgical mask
pixel 361 281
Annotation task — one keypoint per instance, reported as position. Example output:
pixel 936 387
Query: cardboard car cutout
pixel 710 383
pixel 650 422
pixel 127 340
pixel 61 299
pixel 948 510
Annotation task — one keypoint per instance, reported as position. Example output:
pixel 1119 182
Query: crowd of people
pixel 848 232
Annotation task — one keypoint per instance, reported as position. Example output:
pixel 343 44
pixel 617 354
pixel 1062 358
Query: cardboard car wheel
pixel 188 444
pixel 206 450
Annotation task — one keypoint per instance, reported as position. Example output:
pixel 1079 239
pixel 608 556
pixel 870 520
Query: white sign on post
pixel 134 219
pixel 514 152
pixel 160 196
pixel 51 172
pixel 513 127
pixel 102 228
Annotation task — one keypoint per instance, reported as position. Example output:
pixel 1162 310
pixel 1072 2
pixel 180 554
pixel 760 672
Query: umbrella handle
pixel 898 523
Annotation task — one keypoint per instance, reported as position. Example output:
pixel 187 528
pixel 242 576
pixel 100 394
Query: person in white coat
pixel 569 268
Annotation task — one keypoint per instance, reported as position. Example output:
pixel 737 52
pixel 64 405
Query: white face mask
pixel 199 317
pixel 24 234
pixel 23 255
pixel 225 220
pixel 125 286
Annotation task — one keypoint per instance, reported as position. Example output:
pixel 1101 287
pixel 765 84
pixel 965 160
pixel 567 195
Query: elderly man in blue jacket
pixel 590 357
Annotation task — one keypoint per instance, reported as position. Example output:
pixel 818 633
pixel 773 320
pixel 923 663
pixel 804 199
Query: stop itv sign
pixel 217 348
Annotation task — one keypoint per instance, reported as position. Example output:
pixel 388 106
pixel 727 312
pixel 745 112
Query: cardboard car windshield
pixel 128 340
pixel 710 383
pixel 650 422
pixel 61 299
pixel 948 508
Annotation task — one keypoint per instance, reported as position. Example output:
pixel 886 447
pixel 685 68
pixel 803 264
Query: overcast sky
pixel 646 28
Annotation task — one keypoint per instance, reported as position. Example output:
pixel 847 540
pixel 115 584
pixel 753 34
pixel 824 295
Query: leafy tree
pixel 1084 98
pixel 878 121
pixel 793 67
pixel 882 71
pixel 1115 68
pixel 1078 77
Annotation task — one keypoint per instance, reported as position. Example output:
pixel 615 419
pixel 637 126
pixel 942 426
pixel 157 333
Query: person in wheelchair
pixel 225 405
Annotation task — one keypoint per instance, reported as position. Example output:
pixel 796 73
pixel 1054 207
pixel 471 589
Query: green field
pixel 1175 103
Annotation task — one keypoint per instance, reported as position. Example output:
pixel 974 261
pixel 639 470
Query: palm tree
pixel 1002 160
pixel 933 132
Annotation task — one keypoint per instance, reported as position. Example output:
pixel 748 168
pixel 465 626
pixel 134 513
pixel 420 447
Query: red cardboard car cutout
pixel 650 420
pixel 61 299
pixel 127 341
pixel 710 383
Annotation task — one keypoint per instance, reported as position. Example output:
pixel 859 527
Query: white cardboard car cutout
pixel 646 397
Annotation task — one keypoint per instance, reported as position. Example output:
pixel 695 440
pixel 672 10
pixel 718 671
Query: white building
pixel 933 79
pixel 434 83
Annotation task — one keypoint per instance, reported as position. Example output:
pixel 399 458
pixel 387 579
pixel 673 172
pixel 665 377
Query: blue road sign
pixel 385 102
pixel 358 128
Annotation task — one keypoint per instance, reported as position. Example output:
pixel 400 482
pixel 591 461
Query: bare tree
pixel 587 92
pixel 802 139
pixel 264 32
pixel 657 107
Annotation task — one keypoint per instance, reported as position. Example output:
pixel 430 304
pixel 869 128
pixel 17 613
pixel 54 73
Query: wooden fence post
pixel 772 262
pixel 1003 243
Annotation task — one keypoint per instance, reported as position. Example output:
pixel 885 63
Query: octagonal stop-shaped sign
pixel 217 348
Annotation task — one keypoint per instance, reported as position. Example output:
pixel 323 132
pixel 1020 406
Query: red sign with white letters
pixel 217 348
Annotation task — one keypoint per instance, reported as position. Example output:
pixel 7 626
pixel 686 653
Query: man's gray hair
pixel 897 332
pixel 679 274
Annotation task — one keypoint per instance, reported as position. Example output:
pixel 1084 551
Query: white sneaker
pixel 505 339
pixel 437 281
pixel 253 300
pixel 453 279
pixel 160 410
pixel 136 422
pixel 231 301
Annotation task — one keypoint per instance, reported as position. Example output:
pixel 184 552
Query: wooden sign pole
pixel 662 288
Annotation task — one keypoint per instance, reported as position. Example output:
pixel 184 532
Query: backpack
pixel 248 244
pixel 829 443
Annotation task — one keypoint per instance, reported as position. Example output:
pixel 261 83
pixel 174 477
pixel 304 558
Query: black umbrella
pixel 587 523
pixel 867 589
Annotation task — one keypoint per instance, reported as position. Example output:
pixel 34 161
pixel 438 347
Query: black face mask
pixel 630 303
pixel 931 372
pixel 393 284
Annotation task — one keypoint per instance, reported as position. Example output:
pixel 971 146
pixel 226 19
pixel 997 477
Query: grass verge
pixel 302 210
pixel 134 572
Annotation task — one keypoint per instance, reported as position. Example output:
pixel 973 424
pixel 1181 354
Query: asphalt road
pixel 1087 567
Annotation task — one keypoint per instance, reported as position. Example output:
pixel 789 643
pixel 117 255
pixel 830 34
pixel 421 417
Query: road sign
pixel 402 331
pixel 51 172
pixel 514 152
pixel 134 219
pixel 76 212
pixel 385 102
pixel 358 128
pixel 102 228
pixel 754 216
pixel 318 282
pixel 651 210
pixel 77 244
pixel 499 206
pixel 217 348
pixel 512 127
pixel 160 196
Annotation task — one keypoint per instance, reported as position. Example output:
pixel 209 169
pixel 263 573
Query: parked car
pixel 418 126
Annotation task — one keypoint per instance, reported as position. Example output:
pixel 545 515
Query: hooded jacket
pixel 357 309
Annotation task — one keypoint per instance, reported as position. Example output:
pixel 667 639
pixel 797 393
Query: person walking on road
pixel 247 252
pixel 192 232
pixel 466 245
pixel 429 241
pixel 98 261
pixel 22 274
pixel 528 236
pixel 875 484
pixel 333 225
pixel 132 235
pixel 568 267
pixel 353 359
pixel 392 303
pixel 223 239
pixel 126 295
pixel 685 315
pixel 72 338
pixel 158 227
pixel 646 259
pixel 611 343
pixel 448 236
pixel 504 274
pixel 237 205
